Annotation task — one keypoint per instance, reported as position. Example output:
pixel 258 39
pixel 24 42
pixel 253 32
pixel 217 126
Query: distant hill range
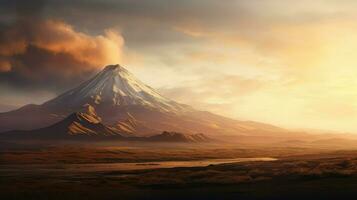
pixel 86 125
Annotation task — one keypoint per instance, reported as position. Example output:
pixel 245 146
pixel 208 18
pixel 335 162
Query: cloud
pixel 280 61
pixel 53 51
pixel 5 66
pixel 215 92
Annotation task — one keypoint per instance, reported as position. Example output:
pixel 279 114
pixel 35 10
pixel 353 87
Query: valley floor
pixel 297 174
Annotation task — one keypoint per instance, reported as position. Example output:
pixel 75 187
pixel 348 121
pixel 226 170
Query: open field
pixel 71 154
pixel 298 173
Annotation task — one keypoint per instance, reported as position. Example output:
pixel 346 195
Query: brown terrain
pixel 113 137
pixel 86 171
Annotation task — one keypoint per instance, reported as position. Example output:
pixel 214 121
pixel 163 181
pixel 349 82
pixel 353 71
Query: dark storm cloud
pixel 26 9
pixel 33 43
pixel 41 53
pixel 164 22
pixel 148 26
pixel 35 35
pixel 151 22
pixel 17 10
pixel 52 54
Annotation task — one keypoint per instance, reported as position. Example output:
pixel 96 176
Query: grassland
pixel 297 174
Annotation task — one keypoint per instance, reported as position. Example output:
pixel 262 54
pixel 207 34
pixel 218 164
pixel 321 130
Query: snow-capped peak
pixel 115 86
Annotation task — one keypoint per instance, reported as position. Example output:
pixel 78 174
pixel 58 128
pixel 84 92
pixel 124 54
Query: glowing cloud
pixel 55 48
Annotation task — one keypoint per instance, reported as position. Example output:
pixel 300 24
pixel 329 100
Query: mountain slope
pixel 114 86
pixel 87 125
pixel 179 137
pixel 132 126
pixel 6 108
pixel 29 117
pixel 131 107
pixel 84 123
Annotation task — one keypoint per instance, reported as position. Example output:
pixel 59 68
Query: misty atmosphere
pixel 178 99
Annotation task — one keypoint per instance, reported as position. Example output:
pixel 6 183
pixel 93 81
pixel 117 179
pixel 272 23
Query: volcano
pixel 114 87
pixel 123 102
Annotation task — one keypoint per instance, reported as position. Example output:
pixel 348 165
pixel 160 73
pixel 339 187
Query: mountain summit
pixel 123 102
pixel 114 86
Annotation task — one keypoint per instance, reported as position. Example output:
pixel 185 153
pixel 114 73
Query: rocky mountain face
pixel 114 87
pixel 116 102
pixel 179 137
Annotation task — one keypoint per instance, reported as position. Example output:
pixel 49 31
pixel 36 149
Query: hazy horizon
pixel 267 61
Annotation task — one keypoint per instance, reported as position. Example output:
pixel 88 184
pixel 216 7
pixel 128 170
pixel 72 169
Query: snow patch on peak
pixel 114 67
pixel 115 86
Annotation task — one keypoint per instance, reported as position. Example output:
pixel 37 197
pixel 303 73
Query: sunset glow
pixel 292 66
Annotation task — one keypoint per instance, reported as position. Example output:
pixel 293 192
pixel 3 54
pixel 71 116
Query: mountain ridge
pixel 86 125
pixel 121 100
pixel 114 86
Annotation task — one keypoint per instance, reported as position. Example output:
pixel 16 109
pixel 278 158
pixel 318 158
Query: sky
pixel 284 62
